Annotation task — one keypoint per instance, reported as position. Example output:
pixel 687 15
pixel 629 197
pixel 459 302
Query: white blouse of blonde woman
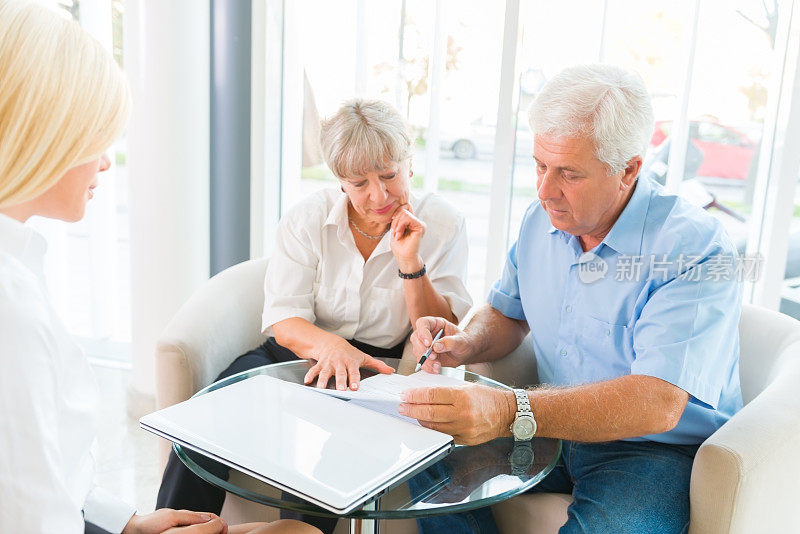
pixel 62 102
pixel 334 273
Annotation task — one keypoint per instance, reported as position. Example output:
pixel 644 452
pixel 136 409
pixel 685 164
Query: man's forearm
pixel 492 335
pixel 625 407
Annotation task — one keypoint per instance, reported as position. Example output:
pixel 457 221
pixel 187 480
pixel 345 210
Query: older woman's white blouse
pixel 48 405
pixel 317 273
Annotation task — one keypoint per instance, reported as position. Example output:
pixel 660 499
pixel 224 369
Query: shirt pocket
pixel 606 347
pixel 329 306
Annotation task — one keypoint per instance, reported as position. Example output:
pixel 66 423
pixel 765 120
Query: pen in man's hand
pixel 428 352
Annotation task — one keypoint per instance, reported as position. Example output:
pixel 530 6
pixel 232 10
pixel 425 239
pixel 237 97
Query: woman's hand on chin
pixel 338 358
pixel 406 234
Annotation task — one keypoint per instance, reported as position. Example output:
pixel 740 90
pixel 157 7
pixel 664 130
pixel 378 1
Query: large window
pixel 726 98
pixel 711 67
pixel 436 62
pixel 708 66
pixel 87 263
pixel 714 69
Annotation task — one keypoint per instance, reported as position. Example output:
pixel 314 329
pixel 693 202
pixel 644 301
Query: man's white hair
pixel 608 104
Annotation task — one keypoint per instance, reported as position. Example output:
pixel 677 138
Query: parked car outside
pixel 727 152
pixel 477 138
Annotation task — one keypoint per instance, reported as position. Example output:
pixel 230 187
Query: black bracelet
pixel 412 276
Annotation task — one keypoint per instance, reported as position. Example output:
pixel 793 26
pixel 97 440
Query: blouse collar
pixel 22 242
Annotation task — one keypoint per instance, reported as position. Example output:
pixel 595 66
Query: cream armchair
pixel 743 479
pixel 745 475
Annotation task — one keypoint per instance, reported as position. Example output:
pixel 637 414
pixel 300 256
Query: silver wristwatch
pixel 524 426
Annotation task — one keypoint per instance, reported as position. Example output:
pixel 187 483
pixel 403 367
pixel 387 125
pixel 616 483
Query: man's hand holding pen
pixel 451 350
pixel 471 414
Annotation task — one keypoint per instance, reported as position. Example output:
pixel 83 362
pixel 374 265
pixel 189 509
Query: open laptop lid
pixel 324 450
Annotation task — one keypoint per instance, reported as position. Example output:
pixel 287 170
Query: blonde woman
pixel 62 102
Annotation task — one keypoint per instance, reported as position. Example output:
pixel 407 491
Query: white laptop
pixel 328 451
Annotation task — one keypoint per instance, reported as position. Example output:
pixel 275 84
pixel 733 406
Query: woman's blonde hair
pixel 63 99
pixel 364 136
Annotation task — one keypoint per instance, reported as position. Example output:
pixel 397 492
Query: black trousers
pixel 91 528
pixel 182 489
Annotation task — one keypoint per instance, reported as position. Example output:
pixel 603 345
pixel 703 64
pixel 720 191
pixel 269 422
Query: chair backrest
pixel 764 336
pixel 220 321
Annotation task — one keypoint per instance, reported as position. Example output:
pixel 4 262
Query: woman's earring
pixel 342 188
pixel 410 173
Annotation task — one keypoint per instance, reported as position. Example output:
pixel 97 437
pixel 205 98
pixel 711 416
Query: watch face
pixel 523 428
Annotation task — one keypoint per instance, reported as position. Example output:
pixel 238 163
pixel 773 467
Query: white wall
pixel 167 60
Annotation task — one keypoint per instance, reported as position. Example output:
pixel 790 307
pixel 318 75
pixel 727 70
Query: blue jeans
pixel 623 486
pixel 617 486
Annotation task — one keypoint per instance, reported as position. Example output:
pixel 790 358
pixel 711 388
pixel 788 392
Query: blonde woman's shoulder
pixel 21 296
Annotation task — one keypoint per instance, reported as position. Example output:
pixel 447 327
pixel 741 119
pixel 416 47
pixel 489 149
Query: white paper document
pixel 381 393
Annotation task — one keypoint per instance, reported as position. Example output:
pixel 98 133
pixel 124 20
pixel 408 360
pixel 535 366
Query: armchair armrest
pixel 744 475
pixel 516 369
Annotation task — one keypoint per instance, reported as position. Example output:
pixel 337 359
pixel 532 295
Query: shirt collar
pixel 565 237
pixel 625 236
pixel 338 217
pixel 626 233
pixel 22 242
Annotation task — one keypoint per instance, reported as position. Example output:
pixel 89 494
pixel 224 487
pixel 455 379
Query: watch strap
pixel 523 402
pixel 411 276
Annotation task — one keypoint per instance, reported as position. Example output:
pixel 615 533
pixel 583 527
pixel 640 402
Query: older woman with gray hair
pixel 353 268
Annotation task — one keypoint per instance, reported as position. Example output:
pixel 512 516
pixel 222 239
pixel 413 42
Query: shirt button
pixel 563 352
pixel 608 332
pixel 569 309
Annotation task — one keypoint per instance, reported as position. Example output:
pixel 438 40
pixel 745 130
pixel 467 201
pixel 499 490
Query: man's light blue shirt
pixel 659 296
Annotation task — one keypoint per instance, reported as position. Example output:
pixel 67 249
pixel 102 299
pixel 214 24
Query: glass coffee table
pixel 468 478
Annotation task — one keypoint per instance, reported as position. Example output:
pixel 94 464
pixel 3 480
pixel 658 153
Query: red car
pixel 727 152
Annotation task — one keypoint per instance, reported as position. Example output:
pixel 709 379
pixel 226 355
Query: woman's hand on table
pixel 339 359
pixel 406 234
pixel 168 521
